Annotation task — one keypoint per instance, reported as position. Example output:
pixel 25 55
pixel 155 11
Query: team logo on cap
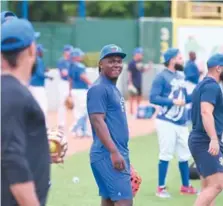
pixel 114 48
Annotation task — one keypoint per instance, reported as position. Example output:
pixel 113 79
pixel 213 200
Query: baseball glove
pixel 136 180
pixel 69 103
pixel 58 145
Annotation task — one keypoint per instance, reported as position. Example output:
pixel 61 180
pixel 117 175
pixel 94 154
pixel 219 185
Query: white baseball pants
pixel 172 139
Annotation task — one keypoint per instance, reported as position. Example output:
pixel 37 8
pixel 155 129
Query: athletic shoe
pixel 188 190
pixel 162 192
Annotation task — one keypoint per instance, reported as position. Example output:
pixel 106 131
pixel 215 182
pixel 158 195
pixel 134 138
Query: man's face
pixel 178 62
pixel 111 67
pixel 220 69
pixel 66 54
pixel 138 57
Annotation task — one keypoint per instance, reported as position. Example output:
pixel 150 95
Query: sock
pixel 184 171
pixel 163 166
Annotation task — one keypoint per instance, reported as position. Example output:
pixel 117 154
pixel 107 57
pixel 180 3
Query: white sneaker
pixel 162 193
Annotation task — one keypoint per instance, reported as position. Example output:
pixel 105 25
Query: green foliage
pixel 62 10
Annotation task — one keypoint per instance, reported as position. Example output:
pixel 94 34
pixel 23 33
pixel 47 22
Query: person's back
pixel 76 70
pixel 115 117
pixel 23 114
pixel 198 132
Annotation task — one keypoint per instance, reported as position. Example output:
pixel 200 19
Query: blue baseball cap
pixel 138 50
pixel 215 60
pixel 111 50
pixel 17 34
pixel 40 48
pixel 77 52
pixel 67 47
pixel 6 15
pixel 169 54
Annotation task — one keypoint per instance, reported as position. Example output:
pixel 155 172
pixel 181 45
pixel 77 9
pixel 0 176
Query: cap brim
pixel 119 54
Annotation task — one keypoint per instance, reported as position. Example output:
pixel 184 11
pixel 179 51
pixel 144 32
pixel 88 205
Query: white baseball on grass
pixel 76 180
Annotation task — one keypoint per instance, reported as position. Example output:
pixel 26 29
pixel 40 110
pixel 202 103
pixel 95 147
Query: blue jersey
pixel 191 72
pixel 38 78
pixel 209 91
pixel 167 86
pixel 63 64
pixel 76 70
pixel 136 69
pixel 104 97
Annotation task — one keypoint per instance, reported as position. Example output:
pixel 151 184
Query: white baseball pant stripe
pixel 63 94
pixel 39 93
pixel 172 139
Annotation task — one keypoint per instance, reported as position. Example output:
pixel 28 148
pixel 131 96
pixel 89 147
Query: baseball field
pixel 73 183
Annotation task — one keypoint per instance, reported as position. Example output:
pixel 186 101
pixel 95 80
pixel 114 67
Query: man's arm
pixel 208 100
pixel 101 129
pixel 14 162
pixel 97 100
pixel 156 91
pixel 85 78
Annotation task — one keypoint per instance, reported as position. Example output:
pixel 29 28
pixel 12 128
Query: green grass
pixel 144 154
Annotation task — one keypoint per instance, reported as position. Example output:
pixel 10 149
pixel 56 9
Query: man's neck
pixel 172 69
pixel 22 77
pixel 213 77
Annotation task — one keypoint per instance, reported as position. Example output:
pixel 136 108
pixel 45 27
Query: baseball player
pixel 205 138
pixel 109 155
pixel 169 92
pixel 25 168
pixel 63 67
pixel 37 83
pixel 135 70
pixel 79 83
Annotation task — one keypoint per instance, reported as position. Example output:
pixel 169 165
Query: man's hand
pixel 214 147
pixel 118 161
pixel 179 102
pixel 64 72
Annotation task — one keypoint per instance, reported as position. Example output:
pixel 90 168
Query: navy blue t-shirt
pixel 207 91
pixel 136 70
pixel 76 70
pixel 104 97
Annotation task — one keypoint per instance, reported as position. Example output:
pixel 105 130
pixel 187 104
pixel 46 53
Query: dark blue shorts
pixel 112 184
pixel 206 163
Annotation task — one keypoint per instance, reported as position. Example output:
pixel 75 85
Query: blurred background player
pixel 169 93
pixel 63 66
pixel 25 169
pixel 192 76
pixel 135 70
pixel 37 83
pixel 79 83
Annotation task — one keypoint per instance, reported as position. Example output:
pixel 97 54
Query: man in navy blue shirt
pixel 25 168
pixel 37 83
pixel 63 66
pixel 109 153
pixel 205 138
pixel 79 83
pixel 135 70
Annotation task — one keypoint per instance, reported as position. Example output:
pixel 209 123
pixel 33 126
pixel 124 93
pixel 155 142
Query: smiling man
pixel 109 154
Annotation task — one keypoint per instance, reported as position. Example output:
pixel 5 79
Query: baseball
pixel 53 147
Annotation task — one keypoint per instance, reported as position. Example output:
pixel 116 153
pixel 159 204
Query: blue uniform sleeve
pixel 191 72
pixel 97 100
pixel 40 68
pixel 210 93
pixel 156 93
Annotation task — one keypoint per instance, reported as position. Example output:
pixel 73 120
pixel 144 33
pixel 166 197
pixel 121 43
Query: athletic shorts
pixel 112 184
pixel 206 163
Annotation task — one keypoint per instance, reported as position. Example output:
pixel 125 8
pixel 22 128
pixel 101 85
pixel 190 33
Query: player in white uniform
pixel 79 83
pixel 169 92
pixel 63 66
